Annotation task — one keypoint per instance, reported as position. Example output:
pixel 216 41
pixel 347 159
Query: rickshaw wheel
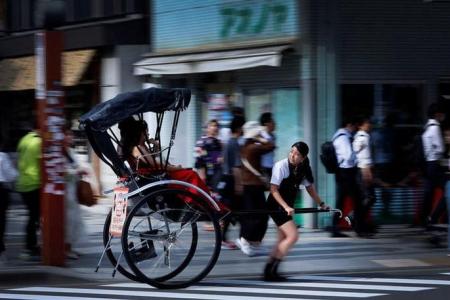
pixel 160 239
pixel 110 253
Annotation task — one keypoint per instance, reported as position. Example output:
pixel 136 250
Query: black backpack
pixel 328 156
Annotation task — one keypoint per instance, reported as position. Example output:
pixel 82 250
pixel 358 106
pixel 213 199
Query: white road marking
pixel 45 297
pixel 154 294
pixel 292 284
pixel 381 280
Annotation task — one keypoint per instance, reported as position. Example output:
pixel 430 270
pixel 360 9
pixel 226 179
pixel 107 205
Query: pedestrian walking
pixel 74 225
pixel 433 149
pixel 253 229
pixel 208 154
pixel 446 165
pixel 8 174
pixel 346 177
pixel 29 186
pixel 287 176
pixel 362 148
pixel 230 193
pixel 208 159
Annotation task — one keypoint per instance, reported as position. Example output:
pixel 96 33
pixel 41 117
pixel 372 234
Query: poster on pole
pixel 119 211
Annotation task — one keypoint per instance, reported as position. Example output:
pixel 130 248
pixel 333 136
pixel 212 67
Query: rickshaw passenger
pixel 135 151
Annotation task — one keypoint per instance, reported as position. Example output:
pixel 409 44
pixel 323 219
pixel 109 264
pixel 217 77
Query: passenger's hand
pixel 289 210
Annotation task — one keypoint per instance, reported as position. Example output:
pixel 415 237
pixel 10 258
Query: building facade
pixel 101 38
pixel 311 63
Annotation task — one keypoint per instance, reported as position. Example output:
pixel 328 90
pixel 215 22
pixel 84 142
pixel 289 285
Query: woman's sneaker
pixel 245 247
pixel 228 245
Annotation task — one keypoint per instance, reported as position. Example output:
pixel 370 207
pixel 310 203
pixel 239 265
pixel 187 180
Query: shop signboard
pixel 190 23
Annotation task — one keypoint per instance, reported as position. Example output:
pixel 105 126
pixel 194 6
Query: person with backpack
pixel 346 177
pixel 433 148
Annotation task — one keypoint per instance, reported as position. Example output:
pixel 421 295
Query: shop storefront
pixel 230 53
pixel 392 76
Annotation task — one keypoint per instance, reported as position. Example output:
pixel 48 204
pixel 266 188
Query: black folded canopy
pixel 124 105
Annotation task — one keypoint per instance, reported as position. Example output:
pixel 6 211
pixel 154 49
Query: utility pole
pixel 51 121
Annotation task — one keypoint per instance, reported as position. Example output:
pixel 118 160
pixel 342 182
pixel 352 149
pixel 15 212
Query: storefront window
pixel 257 103
pixel 219 107
pixel 405 101
pixel 287 111
pixel 357 99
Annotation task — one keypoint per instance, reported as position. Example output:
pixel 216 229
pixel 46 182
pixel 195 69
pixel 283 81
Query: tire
pixel 164 225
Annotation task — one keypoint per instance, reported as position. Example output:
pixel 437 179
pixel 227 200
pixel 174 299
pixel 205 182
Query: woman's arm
pixel 313 193
pixel 276 194
pixel 148 158
pixel 143 155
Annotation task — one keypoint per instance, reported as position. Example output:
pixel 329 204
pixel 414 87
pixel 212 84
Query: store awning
pixel 20 73
pixel 211 61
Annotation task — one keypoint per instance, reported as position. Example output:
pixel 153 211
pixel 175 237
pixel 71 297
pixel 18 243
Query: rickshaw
pixel 160 238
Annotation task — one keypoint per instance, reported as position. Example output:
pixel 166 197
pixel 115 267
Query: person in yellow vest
pixel 29 185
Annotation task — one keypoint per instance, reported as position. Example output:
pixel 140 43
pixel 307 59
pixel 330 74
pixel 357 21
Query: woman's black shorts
pixel 280 216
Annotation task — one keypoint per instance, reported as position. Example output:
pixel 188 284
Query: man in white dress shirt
pixel 346 176
pixel 433 148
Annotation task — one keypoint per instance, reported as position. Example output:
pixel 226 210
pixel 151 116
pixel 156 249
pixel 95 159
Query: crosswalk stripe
pixel 45 297
pixel 250 290
pixel 445 273
pixel 293 284
pixel 381 280
pixel 331 285
pixel 285 292
pixel 153 294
